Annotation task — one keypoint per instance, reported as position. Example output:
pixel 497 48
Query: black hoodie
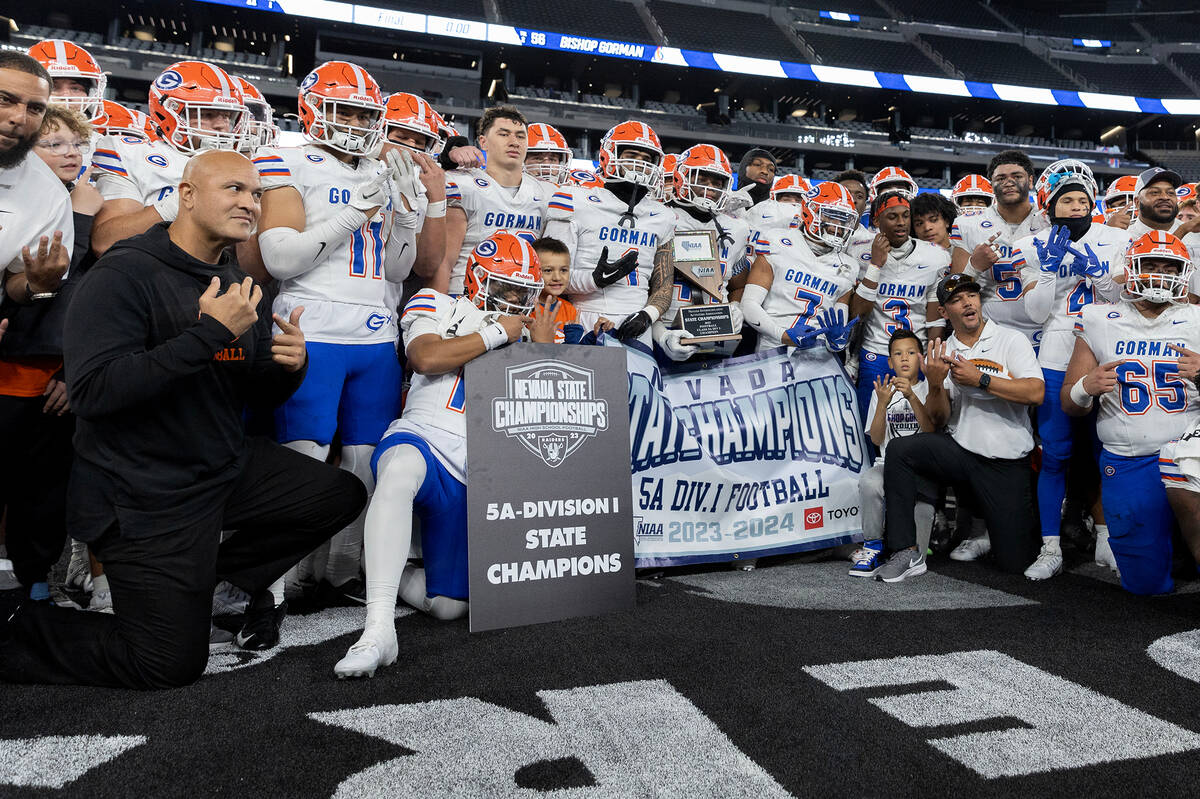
pixel 758 191
pixel 159 389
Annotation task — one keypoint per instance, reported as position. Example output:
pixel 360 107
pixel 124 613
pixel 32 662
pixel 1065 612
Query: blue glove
pixel 802 335
pixel 837 326
pixel 1087 265
pixel 1051 253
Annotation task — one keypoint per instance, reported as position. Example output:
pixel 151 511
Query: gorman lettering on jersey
pixel 910 291
pixel 503 221
pixel 1153 349
pixel 638 238
pixel 808 280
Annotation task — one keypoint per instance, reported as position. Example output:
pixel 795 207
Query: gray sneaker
pixel 901 565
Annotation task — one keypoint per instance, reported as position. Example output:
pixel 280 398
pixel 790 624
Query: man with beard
pixel 983 242
pixel 1157 198
pixel 37 235
pixel 755 176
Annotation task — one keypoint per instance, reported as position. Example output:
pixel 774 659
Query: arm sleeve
pixel 1039 297
pixel 753 297
pixel 108 366
pixel 288 253
pixel 452 142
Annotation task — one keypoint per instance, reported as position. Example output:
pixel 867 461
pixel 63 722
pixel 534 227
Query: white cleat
pixel 972 549
pixel 1046 566
pixel 367 655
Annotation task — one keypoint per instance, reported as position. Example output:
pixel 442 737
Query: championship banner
pixel 742 458
pixel 549 514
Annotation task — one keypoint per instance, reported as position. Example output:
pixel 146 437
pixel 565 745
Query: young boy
pixel 897 409
pixel 554 313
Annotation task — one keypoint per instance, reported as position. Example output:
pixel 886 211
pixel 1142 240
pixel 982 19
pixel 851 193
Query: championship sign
pixel 549 510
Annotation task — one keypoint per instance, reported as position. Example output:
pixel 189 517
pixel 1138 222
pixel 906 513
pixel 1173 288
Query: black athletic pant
pixel 1001 492
pixel 281 507
pixel 34 469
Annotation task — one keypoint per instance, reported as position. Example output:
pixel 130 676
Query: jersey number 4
pixel 1160 384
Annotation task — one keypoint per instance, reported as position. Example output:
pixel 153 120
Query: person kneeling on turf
pixel 420 465
pixel 897 409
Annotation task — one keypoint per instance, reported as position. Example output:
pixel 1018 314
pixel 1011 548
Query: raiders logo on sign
pixel 551 408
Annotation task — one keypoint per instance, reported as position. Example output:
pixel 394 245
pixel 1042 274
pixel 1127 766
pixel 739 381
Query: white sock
pixel 276 590
pixel 1101 531
pixel 99 583
pixel 1050 545
pixel 388 531
pixel 345 548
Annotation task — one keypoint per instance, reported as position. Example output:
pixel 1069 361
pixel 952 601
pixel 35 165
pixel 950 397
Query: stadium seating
pixel 1143 79
pixel 1189 62
pixel 703 28
pixel 1185 162
pixel 996 61
pixel 609 19
pixel 884 55
pixel 963 14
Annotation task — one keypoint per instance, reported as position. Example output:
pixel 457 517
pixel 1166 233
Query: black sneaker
pixel 263 620
pixel 351 593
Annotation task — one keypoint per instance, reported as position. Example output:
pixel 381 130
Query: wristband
pixel 494 335
pixel 653 313
pixel 1080 396
pixel 873 272
pixel 870 295
pixel 436 210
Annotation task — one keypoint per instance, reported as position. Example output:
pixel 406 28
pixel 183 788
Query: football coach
pixel 164 346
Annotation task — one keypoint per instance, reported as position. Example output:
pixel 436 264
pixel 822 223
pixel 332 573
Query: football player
pixel 971 193
pixel 1064 268
pixel 898 291
pixel 892 179
pixel 799 276
pixel 1179 464
pixel 78 81
pixel 260 129
pixel 620 237
pixel 1118 201
pixel 668 180
pixel 702 182
pixel 780 209
pixel 498 197
pixel 326 234
pixel 421 463
pixel 196 106
pixel 932 218
pixel 548 157
pixel 117 120
pixel 983 242
pixel 1140 358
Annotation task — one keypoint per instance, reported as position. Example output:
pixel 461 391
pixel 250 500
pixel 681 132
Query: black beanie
pixel 758 192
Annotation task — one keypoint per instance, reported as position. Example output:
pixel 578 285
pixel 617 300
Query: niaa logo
pixel 169 80
pixel 486 248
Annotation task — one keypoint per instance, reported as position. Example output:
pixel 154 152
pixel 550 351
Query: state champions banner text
pixel 742 458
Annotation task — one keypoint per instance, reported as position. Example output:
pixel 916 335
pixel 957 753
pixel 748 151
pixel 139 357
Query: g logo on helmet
pixel 309 81
pixel 486 248
pixel 169 80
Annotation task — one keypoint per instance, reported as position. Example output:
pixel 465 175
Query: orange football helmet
pixel 707 159
pixel 666 190
pixel 828 215
pixel 1119 194
pixel 894 179
pixel 63 59
pixel 503 274
pixel 635 135
pixel 546 140
pixel 1070 170
pixel 261 130
pixel 188 98
pixel 1186 192
pixel 339 84
pixel 793 185
pixel 413 114
pixel 972 187
pixel 117 120
pixel 1142 282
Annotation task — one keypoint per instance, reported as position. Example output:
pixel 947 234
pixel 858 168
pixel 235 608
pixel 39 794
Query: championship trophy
pixel 698 261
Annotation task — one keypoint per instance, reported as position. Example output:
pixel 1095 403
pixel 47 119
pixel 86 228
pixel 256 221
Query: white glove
pixel 168 207
pixel 371 195
pixel 672 344
pixel 735 315
pixel 406 177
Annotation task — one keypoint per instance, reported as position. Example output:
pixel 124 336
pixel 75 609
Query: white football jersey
pixel 803 283
pixel 1071 292
pixel 591 220
pixel 490 207
pixel 734 250
pixel 1003 284
pixel 907 282
pixel 435 406
pixel 1151 404
pixel 129 168
pixel 345 294
pixel 33 203
pixel 772 215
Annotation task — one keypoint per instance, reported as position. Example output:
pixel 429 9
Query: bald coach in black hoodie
pixel 164 346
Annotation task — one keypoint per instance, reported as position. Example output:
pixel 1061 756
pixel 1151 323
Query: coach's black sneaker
pixel 263 620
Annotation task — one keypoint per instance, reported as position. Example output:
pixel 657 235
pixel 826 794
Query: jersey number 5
pixel 1160 385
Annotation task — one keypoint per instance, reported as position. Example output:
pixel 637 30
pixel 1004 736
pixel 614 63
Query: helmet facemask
pixel 834 226
pixel 506 294
pixel 345 138
pixel 191 136
pixel 637 171
pixel 1144 282
pixel 553 171
pixel 690 191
